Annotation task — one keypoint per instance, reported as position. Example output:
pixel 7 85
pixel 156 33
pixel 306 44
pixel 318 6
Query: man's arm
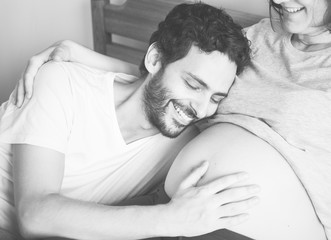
pixel 43 212
pixel 71 52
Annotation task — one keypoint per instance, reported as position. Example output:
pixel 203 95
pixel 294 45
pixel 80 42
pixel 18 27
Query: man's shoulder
pixel 50 74
pixel 51 77
pixel 61 75
pixel 50 67
pixel 71 69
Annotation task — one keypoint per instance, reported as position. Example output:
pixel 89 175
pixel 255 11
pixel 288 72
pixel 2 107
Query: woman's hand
pixel 59 51
pixel 196 210
pixel 67 51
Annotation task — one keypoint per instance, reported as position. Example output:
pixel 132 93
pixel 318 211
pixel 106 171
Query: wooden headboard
pixel 137 20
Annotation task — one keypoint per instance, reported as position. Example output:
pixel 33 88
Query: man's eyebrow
pixel 204 84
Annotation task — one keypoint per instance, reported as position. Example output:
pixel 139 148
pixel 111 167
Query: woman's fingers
pixel 25 85
pixel 32 69
pixel 24 88
pixel 28 78
pixel 61 54
pixel 13 97
pixel 19 93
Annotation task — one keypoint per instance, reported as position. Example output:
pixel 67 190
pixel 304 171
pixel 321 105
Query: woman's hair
pixel 279 10
pixel 201 25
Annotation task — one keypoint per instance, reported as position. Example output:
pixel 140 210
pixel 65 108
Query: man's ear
pixel 153 59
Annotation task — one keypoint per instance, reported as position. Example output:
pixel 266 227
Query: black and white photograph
pixel 165 119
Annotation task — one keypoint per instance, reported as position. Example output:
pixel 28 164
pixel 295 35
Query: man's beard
pixel 156 100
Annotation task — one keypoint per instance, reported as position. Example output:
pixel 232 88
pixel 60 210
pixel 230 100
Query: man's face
pixel 188 90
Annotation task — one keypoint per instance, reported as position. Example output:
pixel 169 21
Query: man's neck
pixel 130 112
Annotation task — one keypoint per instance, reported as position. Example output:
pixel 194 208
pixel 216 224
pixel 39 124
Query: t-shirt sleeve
pixel 46 119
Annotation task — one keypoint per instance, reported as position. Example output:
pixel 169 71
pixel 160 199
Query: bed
pixel 123 31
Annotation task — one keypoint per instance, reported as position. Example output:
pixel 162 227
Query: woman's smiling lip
pixel 293 9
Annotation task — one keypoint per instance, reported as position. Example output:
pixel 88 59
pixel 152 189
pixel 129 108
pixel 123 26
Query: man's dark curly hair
pixel 202 25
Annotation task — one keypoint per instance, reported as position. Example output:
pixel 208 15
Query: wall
pixel 28 26
pixel 259 7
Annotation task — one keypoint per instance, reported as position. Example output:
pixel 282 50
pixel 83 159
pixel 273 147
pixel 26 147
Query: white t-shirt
pixel 72 111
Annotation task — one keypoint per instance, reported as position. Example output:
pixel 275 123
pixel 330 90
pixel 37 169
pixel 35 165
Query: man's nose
pixel 200 108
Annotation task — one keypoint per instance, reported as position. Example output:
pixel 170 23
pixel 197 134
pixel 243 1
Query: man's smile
pixel 182 116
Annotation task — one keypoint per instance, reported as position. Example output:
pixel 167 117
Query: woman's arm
pixel 67 51
pixel 71 51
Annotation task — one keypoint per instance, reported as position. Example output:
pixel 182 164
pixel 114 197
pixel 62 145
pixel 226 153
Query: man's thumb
pixel 195 175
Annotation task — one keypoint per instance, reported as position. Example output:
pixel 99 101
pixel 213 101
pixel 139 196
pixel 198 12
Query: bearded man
pixel 89 139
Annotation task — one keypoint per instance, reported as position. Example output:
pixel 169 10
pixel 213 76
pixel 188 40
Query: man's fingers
pixel 236 208
pixel 196 174
pixel 236 194
pixel 224 182
pixel 226 222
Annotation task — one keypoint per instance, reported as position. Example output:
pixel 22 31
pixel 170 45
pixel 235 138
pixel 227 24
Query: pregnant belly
pixel 285 211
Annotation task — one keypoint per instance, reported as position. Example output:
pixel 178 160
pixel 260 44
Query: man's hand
pixel 24 88
pixel 196 210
